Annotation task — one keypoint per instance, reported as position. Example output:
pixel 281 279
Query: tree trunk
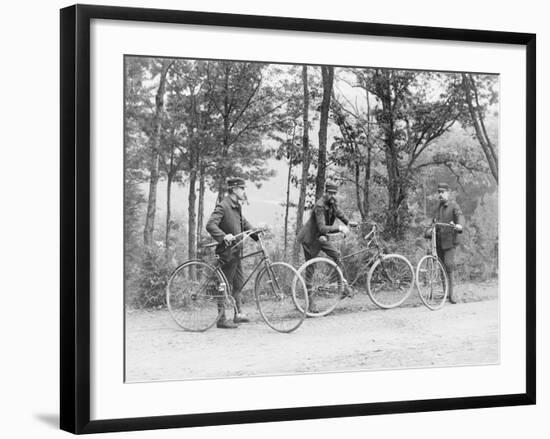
pixel 424 198
pixel 395 184
pixel 287 205
pixel 328 78
pixel 168 213
pixel 222 171
pixel 305 164
pixel 396 195
pixel 358 194
pixel 192 220
pixel 155 156
pixel 200 220
pixel 482 123
pixel 479 126
pixel 170 176
pixel 152 199
pixel 366 184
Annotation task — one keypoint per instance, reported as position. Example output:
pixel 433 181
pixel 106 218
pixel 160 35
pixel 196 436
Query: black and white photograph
pixel 291 219
pixel 275 219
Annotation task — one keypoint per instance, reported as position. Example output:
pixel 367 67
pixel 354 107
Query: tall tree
pixel 138 115
pixel 305 160
pixel 288 181
pixel 288 150
pixel 352 151
pixel 191 114
pixel 155 154
pixel 327 73
pixel 171 168
pixel 246 107
pixel 200 210
pixel 191 206
pixel 477 118
pixel 410 117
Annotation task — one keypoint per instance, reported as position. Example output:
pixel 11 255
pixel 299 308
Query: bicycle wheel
pixel 277 289
pixel 390 281
pixel 432 282
pixel 193 293
pixel 325 285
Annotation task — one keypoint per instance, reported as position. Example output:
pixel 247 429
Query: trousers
pixel 232 269
pixel 313 250
pixel 447 256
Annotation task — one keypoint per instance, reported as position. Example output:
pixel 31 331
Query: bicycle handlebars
pixel 234 242
pixel 444 225
pixel 373 224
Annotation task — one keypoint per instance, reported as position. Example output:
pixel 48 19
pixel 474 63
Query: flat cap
pixel 330 186
pixel 235 182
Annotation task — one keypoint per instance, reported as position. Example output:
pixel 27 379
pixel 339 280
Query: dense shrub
pixel 146 280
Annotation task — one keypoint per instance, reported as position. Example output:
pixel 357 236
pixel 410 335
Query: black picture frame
pixel 75 217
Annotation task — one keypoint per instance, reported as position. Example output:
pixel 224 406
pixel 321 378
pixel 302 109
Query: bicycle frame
pixel 215 288
pixel 264 260
pixel 372 241
pixel 433 243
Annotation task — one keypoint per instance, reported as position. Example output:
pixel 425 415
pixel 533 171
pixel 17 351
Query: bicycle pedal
pixel 347 293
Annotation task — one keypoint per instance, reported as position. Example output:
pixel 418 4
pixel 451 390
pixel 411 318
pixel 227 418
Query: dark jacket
pixel 321 221
pixel 445 213
pixel 226 218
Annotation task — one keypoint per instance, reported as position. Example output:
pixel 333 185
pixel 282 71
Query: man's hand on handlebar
pixel 451 224
pixel 229 239
pixel 457 227
pixel 262 227
pixel 344 229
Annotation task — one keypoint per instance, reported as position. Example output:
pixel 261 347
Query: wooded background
pixel 388 136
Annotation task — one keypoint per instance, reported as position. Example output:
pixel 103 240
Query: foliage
pixel 479 256
pixel 147 276
pixel 391 136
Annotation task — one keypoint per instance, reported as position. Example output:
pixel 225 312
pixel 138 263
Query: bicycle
pixel 431 277
pixel 389 279
pixel 197 292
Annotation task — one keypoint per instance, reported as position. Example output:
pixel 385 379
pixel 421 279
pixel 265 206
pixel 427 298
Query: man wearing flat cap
pixel 314 234
pixel 224 223
pixel 447 238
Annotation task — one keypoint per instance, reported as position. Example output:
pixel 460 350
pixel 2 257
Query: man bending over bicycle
pixel 314 234
pixel 224 223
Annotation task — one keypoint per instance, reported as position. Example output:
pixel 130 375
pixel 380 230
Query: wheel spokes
pixel 277 289
pixel 194 297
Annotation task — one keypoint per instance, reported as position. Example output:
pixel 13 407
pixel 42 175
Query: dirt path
pixel 354 337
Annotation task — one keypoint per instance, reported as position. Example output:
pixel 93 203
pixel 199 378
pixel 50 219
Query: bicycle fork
pixel 274 285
